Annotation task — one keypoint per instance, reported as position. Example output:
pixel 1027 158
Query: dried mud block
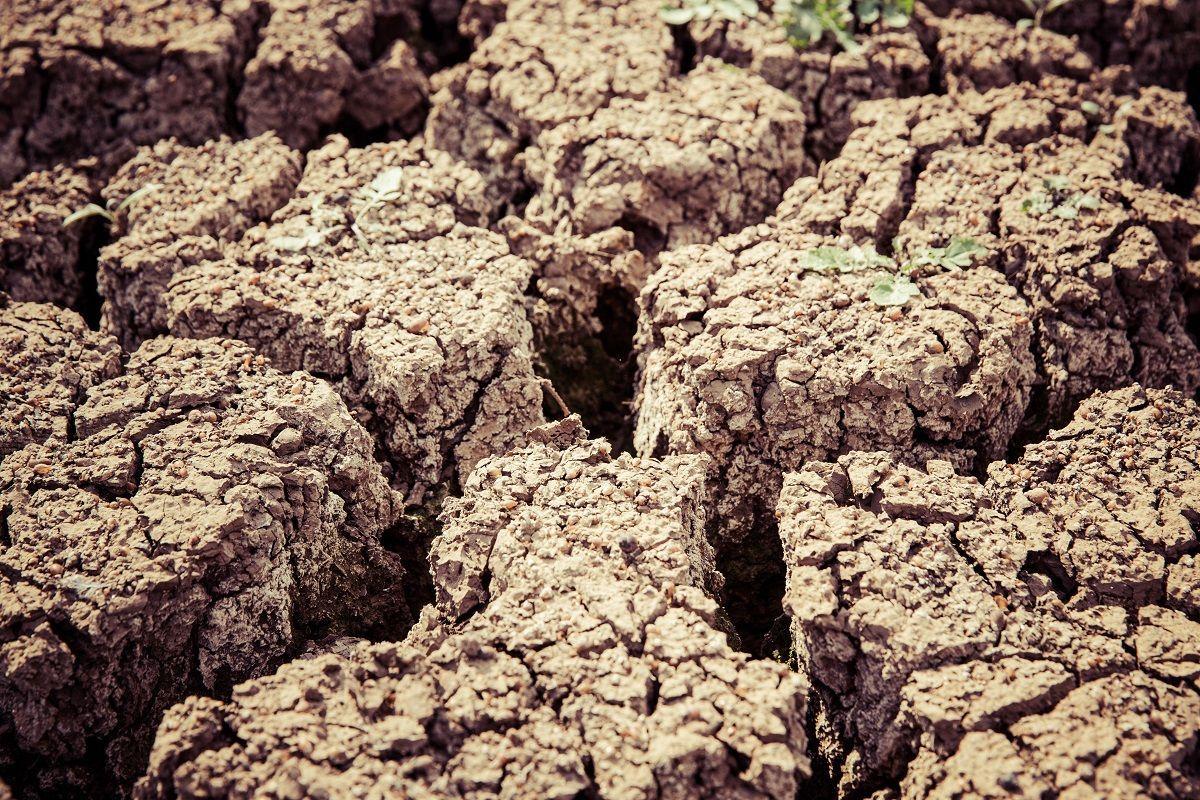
pixel 980 52
pixel 39 258
pixel 828 84
pixel 573 652
pixel 549 63
pixel 206 196
pixel 704 156
pixel 762 365
pixel 1012 638
pixel 51 359
pixel 78 79
pixel 208 513
pixel 1105 286
pixel 316 62
pixel 417 317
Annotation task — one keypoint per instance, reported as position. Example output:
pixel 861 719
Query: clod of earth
pixel 1023 636
pixel 572 632
pixel 183 526
pixel 379 275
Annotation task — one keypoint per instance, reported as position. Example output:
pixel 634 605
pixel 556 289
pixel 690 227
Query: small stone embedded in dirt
pixel 202 198
pixel 50 360
pixel 705 155
pixel 971 640
pixel 596 668
pixel 39 257
pixel 375 276
pixel 204 513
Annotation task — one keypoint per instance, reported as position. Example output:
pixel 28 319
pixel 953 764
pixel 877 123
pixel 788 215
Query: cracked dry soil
pixel 462 407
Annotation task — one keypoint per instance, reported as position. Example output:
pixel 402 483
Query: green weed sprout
pixel 689 10
pixel 1057 200
pixel 108 211
pixel 895 286
pixel 807 21
pixel 1038 9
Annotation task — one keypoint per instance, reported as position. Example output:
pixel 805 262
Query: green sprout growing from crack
pixel 895 287
pixel 807 21
pixel 385 188
pixel 108 211
pixel 1038 9
pixel 689 10
pixel 1058 200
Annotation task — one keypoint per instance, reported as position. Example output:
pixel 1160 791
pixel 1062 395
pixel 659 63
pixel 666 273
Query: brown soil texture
pixel 456 398
pixel 573 651
pixel 169 526
pixel 1025 636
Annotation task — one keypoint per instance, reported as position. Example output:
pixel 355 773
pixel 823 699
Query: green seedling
pixel 837 259
pixel 108 211
pixel 311 235
pixel 1058 200
pixel 689 10
pixel 807 21
pixel 1038 9
pixel 894 287
pixel 957 255
pixel 893 290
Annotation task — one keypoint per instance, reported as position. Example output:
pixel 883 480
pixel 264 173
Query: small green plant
pixel 893 290
pixel 807 21
pixel 689 10
pixel 1058 200
pixel 1038 9
pixel 108 210
pixel 894 287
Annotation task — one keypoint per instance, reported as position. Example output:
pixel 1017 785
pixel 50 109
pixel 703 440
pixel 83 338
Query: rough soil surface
pixel 546 64
pixel 763 366
pixel 38 256
pixel 418 317
pixel 318 61
pixel 707 155
pixel 51 359
pixel 206 197
pixel 1107 288
pixel 1157 40
pixel 572 634
pixel 97 79
pixel 390 238
pixel 82 79
pixel 827 83
pixel 1019 637
pixel 201 514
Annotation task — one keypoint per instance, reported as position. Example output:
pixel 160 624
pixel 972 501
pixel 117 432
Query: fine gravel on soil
pixel 169 530
pixel 1033 635
pixel 573 651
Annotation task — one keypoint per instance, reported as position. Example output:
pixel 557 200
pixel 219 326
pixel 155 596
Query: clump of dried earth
pixel 375 244
pixel 1035 634
pixel 573 650
pixel 171 524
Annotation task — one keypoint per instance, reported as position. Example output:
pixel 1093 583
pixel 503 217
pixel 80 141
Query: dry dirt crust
pixel 579 399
